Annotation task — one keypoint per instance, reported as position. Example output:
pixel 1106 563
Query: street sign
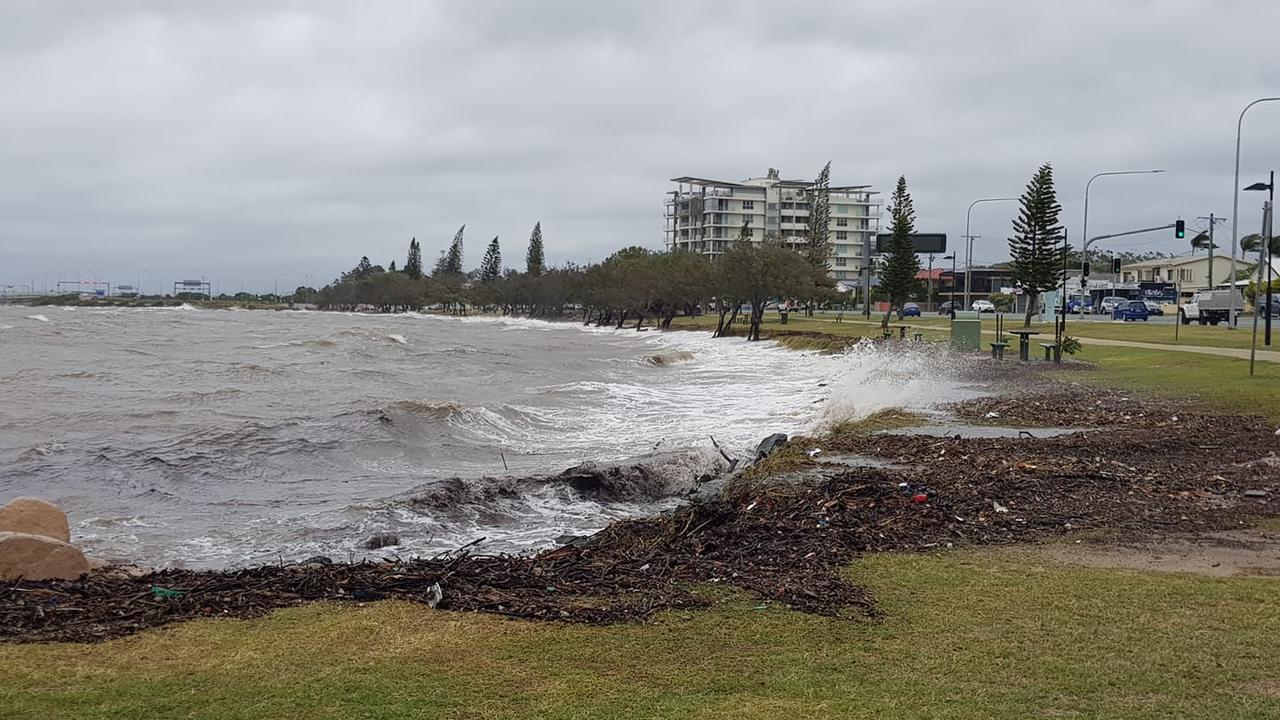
pixel 924 243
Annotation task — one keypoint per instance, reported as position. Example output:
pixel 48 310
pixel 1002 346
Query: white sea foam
pixel 38 318
pixel 398 338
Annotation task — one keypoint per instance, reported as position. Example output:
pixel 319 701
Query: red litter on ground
pixel 919 498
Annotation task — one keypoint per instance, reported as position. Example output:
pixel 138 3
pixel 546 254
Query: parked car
pixel 1077 306
pixel 1109 303
pixel 1127 310
pixel 945 308
pixel 1275 304
pixel 983 306
pixel 1211 307
pixel 909 310
pixel 1153 307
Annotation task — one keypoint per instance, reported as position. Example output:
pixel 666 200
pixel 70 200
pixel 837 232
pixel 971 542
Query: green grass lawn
pixel 854 325
pixel 965 635
pixel 1219 383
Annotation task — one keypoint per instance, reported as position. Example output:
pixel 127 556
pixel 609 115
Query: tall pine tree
pixel 450 262
pixel 818 231
pixel 898 279
pixel 534 262
pixel 413 265
pixel 491 266
pixel 1036 245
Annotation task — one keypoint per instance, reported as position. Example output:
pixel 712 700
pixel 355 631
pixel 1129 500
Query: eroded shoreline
pixel 784 535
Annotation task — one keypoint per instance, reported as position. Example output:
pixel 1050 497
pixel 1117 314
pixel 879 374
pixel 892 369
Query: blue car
pixel 910 310
pixel 1076 305
pixel 1130 310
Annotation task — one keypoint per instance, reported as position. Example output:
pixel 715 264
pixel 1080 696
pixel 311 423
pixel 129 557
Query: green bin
pixel 966 330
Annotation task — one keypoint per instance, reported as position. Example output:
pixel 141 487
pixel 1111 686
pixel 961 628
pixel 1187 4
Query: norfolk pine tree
pixel 450 262
pixel 1036 245
pixel 535 264
pixel 413 264
pixel 491 266
pixel 898 279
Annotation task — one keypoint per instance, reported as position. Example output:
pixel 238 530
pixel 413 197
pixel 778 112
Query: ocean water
pixel 221 438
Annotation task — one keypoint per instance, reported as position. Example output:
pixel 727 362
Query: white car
pixel 983 306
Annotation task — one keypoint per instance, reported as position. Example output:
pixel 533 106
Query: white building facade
pixel 707 216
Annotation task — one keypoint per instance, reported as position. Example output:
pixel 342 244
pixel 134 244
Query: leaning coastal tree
pixel 1036 246
pixel 898 279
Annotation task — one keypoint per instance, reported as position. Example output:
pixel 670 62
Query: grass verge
pixel 1217 382
pixel 966 634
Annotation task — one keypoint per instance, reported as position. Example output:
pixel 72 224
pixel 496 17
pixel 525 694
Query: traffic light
pixel 1084 270
pixel 1180 229
pixel 1115 266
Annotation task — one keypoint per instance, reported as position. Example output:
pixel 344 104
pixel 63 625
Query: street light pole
pixel 1270 187
pixel 1084 235
pixel 968 255
pixel 1262 252
pixel 1235 211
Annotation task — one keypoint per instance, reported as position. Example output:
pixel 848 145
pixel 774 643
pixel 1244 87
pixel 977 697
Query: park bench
pixel 997 350
pixel 917 337
pixel 1049 347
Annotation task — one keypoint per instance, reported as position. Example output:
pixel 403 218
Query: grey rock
pixel 381 540
pixel 770 445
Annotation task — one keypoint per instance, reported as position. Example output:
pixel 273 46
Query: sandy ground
pixel 1251 552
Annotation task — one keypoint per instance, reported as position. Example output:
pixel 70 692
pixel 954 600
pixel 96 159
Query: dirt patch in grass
pixel 786 542
pixel 1251 552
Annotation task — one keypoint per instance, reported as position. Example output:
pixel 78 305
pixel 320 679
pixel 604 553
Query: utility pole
pixel 1213 220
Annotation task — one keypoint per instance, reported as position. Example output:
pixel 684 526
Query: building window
pixel 841 275
pixel 841 262
pixel 842 222
pixel 842 209
pixel 842 235
pixel 746 219
pixel 842 249
pixel 748 204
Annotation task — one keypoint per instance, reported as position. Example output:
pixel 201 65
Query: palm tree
pixel 1202 242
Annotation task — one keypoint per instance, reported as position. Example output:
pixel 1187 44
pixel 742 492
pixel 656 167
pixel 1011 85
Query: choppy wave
pixel 223 452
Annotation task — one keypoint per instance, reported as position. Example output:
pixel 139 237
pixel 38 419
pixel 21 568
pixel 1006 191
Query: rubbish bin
pixel 966 330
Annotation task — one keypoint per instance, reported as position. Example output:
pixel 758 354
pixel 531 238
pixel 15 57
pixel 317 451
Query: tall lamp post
pixel 1235 207
pixel 968 255
pixel 1084 235
pixel 1270 187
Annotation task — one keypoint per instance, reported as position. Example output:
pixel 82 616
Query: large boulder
pixel 36 517
pixel 37 557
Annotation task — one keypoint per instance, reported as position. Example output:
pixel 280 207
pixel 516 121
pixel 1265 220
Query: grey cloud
pixel 240 140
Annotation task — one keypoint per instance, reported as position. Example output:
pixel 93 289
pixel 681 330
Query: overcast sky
pixel 239 141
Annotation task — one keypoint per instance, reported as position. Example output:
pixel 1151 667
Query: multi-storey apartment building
pixel 708 216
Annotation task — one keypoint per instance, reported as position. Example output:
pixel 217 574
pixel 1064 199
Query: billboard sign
pixel 925 243
pixel 1162 292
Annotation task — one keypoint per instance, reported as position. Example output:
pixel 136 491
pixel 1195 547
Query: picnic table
pixel 902 331
pixel 1024 342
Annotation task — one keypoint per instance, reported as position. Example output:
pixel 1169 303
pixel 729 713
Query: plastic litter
pixel 992 414
pixel 434 595
pixel 163 592
pixel 815 452
pixel 998 507
pixel 1255 493
pixel 919 498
